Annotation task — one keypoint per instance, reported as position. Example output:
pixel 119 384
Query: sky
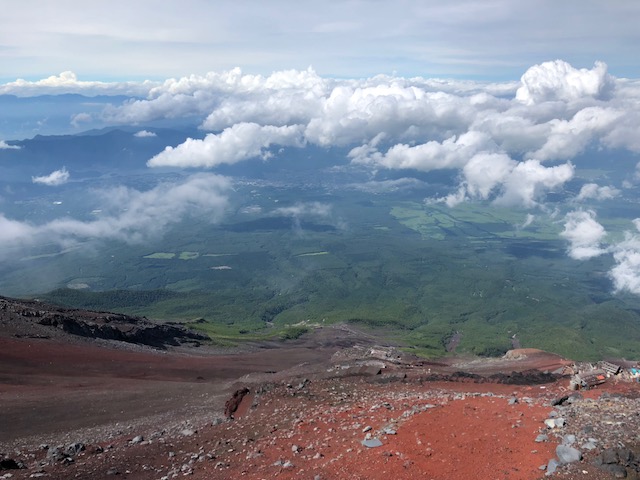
pixel 511 95
pixel 147 39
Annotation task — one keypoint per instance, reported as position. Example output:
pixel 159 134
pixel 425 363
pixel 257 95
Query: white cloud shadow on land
pixel 58 177
pixel 128 215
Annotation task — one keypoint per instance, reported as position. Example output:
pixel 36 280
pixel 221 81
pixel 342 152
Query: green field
pixel 417 271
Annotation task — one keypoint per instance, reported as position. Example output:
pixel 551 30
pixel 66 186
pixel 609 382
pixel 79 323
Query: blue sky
pixel 489 39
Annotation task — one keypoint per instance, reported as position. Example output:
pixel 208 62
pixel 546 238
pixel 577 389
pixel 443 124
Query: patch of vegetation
pixel 161 255
pixel 292 333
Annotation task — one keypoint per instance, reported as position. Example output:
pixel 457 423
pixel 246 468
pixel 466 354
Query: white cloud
pixel 454 152
pixel 594 191
pixel 506 182
pixel 67 82
pixel 80 118
pixel 128 215
pixel 305 209
pixel 5 146
pixel 144 134
pixel 386 186
pixel 240 142
pixel 58 177
pixel 529 180
pixel 558 80
pixel 568 138
pixel 584 234
pixel 626 274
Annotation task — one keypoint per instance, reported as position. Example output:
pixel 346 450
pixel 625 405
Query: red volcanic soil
pixel 146 414
pixel 57 386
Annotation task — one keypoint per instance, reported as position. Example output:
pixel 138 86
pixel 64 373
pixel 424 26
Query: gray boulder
pixel 567 454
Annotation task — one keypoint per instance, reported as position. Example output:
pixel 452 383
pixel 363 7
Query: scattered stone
pixel 55 454
pixel 295 448
pixel 75 448
pixel 513 401
pixel 552 466
pixel 559 401
pixel 567 454
pixel 542 438
pixel 372 443
pixel 188 432
pixel 616 469
pixel 554 422
pixel 366 429
pixel 288 464
pixel 137 439
pixel 113 471
pixel 568 439
pixel 609 456
pixel 389 431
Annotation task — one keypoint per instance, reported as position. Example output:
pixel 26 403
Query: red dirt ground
pixel 307 421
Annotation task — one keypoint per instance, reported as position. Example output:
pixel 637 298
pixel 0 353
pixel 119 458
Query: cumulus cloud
pixel 128 215
pixel 584 234
pixel 596 192
pixel 240 142
pixel 558 80
pixel 626 274
pixel 5 146
pixel 568 138
pixel 504 181
pixel 144 134
pixel 58 177
pixel 453 152
pixel 529 180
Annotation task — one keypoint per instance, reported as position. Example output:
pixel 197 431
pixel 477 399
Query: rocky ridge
pixel 38 320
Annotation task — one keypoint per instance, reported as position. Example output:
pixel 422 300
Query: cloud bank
pixel 510 143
